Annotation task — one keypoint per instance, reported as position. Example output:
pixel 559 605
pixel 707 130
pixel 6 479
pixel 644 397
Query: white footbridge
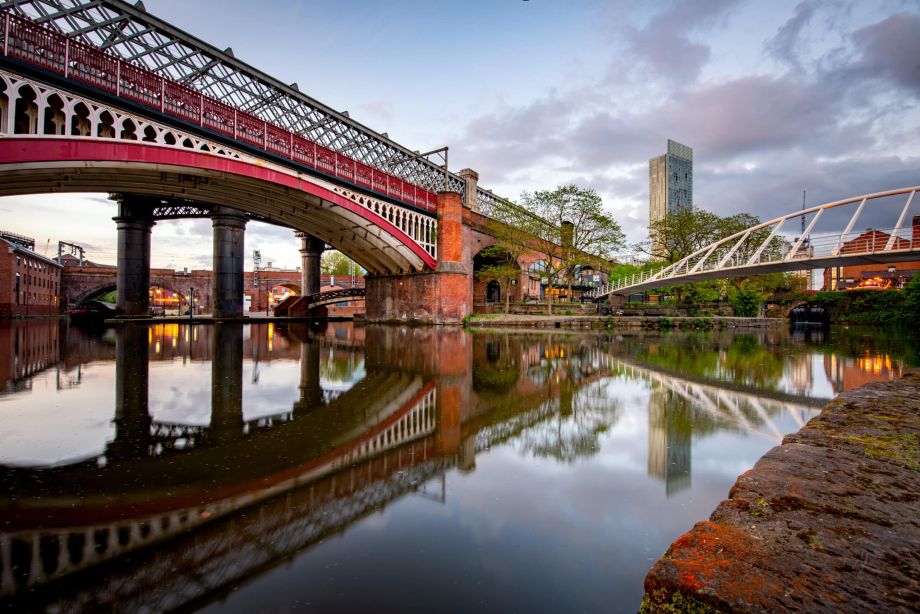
pixel 762 249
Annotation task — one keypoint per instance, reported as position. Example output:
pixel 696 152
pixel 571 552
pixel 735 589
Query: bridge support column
pixel 132 420
pixel 228 231
pixel 227 381
pixel 454 382
pixel 311 251
pixel 444 296
pixel 311 393
pixel 132 281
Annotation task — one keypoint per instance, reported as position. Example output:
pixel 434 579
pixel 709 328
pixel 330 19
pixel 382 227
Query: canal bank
pixel 496 320
pixel 825 522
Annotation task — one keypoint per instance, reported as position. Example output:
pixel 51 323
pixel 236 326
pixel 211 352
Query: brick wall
pixel 29 284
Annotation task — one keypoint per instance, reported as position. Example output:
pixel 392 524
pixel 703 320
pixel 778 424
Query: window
pixel 17 288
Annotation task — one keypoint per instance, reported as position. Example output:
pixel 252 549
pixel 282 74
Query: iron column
pixel 228 231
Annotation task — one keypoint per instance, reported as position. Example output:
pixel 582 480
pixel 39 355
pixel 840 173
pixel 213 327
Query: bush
pixel 746 303
pixel 910 311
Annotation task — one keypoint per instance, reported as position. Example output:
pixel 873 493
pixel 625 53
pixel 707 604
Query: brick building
pixel 874 276
pixel 30 284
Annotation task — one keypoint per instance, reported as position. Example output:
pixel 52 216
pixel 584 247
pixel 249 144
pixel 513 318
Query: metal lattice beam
pixel 131 33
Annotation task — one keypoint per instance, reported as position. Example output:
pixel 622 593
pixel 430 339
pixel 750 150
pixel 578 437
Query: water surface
pixel 334 468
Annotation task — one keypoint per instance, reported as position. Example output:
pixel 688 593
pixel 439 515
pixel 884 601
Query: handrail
pixel 40 46
pixel 842 244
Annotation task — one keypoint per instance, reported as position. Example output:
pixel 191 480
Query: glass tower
pixel 670 180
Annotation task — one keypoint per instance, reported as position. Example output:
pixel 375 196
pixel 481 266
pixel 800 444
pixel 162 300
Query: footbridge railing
pixel 763 249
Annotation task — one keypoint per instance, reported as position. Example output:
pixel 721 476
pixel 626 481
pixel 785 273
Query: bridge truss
pixel 761 249
pixel 129 32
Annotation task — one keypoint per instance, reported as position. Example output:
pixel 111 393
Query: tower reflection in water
pixel 204 501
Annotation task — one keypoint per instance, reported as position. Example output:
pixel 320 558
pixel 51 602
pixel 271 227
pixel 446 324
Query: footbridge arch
pixel 760 248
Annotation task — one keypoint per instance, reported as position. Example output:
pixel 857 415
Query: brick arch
pixel 92 293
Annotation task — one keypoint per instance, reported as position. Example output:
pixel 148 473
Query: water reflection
pixel 163 467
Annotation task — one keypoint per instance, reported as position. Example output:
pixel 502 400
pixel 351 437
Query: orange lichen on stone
pixel 825 523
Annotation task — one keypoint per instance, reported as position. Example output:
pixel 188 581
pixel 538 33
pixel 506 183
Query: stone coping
pixel 829 521
pixel 596 321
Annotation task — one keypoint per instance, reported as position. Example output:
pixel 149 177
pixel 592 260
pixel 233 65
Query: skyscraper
pixel 670 181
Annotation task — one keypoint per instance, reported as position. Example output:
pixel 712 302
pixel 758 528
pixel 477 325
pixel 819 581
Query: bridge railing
pixel 763 245
pixel 46 49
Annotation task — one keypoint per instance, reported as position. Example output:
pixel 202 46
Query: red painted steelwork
pixel 42 47
pixel 57 149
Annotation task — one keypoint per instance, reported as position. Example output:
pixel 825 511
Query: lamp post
pixel 191 302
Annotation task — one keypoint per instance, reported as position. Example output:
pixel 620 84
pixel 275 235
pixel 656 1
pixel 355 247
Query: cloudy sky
pixel 774 97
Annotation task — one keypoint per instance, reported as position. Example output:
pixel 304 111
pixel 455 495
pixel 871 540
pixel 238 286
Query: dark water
pixel 339 469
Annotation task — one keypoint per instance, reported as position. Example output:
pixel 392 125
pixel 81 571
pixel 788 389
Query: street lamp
pixel 191 302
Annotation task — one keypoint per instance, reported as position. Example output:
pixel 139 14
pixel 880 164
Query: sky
pixel 773 98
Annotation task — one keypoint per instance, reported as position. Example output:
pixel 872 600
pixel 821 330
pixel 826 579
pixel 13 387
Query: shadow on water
pixel 192 465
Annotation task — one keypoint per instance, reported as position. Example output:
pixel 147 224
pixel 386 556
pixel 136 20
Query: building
pixel 670 181
pixel 30 284
pixel 875 276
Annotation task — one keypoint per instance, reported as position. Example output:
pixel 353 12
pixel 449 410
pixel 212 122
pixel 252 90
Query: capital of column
pixel 135 211
pixel 310 244
pixel 225 216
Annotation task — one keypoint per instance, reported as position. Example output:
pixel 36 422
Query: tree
pixel 570 227
pixel 911 311
pixel 745 303
pixel 680 233
pixel 334 262
pixel 501 267
pixel 508 228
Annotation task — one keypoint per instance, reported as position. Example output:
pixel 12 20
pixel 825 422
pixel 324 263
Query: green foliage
pixel 665 323
pixel 109 297
pixel 498 264
pixel 569 225
pixel 911 308
pixel 746 303
pixel 866 306
pixel 680 234
pixel 336 263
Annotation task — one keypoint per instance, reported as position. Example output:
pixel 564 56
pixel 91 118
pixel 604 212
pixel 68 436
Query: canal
pixel 270 468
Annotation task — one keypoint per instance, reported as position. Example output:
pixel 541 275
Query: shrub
pixel 746 303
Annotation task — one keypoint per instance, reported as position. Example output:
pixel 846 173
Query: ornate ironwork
pixel 333 296
pixel 96 65
pixel 163 66
pixel 178 211
pixel 93 120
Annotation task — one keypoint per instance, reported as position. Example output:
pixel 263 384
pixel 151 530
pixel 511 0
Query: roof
pixel 21 250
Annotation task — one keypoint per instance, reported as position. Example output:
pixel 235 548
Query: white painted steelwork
pixel 747 253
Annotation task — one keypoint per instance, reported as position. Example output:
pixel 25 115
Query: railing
pixel 42 47
pixel 761 246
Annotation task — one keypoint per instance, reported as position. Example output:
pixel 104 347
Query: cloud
pixel 835 124
pixel 784 46
pixel 665 45
pixel 891 48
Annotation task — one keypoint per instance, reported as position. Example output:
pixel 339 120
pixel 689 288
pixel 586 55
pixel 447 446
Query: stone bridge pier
pixel 443 296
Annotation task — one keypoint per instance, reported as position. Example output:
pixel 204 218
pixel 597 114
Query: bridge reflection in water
pixel 378 413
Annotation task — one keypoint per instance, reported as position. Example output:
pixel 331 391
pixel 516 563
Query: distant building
pixel 670 181
pixel 30 284
pixel 875 276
